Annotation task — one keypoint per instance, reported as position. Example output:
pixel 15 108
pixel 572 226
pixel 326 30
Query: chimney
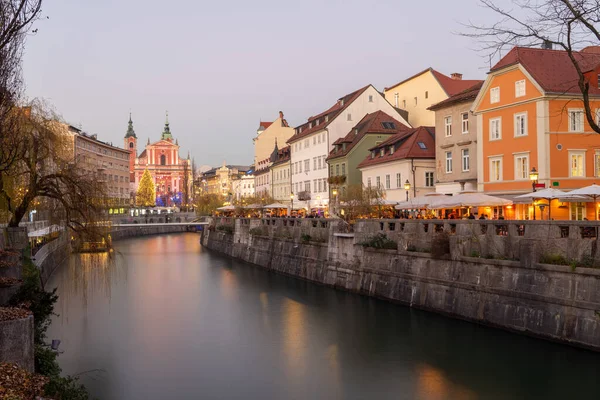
pixel 281 114
pixel 547 45
pixel 456 76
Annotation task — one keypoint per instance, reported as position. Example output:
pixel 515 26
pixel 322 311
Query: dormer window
pixel 326 118
pixel 309 125
pixel 300 130
pixel 372 154
pixel 356 131
pixel 391 149
pixel 381 152
pixel 344 146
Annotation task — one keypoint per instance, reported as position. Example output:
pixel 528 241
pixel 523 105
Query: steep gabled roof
pixel 372 123
pixel 467 95
pixel 449 85
pixel 283 156
pixel 406 146
pixel 322 120
pixel 264 125
pixel 552 69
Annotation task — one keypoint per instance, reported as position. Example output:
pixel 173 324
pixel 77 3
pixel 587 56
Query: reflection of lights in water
pixel 229 285
pixel 264 302
pixel 432 384
pixel 294 336
pixel 334 367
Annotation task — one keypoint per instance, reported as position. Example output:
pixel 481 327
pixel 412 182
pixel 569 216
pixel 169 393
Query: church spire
pixel 166 135
pixel 130 131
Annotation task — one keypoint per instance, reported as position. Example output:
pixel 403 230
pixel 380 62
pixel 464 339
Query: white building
pixel 243 187
pixel 313 140
pixel 281 177
pixel 405 156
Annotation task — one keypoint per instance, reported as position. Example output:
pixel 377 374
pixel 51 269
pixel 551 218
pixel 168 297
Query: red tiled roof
pixel 450 86
pixel 331 113
pixel 466 95
pixel 283 155
pixel 370 124
pixel 142 154
pixel 406 145
pixel 265 125
pixel 552 69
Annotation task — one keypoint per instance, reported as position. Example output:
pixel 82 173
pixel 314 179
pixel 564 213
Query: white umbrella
pixel 276 205
pixel 226 208
pixel 253 206
pixel 470 199
pixel 546 194
pixel 592 191
pixel 383 202
pixel 420 201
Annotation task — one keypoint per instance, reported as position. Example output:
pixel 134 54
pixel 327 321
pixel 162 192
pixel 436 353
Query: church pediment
pixel 163 143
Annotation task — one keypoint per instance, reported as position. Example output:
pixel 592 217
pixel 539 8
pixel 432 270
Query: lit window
pixel 577 163
pixel 495 95
pixel 521 167
pixel 575 120
pixel 448 126
pixel 597 164
pixel 521 124
pixel 495 129
pixel 520 88
pixel 465 122
pixel 495 169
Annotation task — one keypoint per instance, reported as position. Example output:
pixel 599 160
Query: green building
pixel 352 149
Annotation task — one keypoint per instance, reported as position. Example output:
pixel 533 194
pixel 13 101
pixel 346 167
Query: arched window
pixel 131 145
pixel 163 160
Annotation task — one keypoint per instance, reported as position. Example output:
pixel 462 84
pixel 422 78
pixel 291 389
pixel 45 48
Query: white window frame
pixel 572 113
pixel 399 180
pixel 499 121
pixel 429 182
pixel 492 160
pixel 464 122
pixel 388 181
pixel 520 88
pixel 525 170
pixel 378 181
pixel 465 157
pixel 597 164
pixel 523 116
pixel 448 125
pixel 573 153
pixel 448 162
pixel 495 95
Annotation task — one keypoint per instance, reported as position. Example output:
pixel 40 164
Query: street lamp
pixel 292 200
pixel 407 188
pixel 334 193
pixel 533 176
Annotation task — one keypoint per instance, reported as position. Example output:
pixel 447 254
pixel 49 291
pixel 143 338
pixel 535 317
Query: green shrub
pixel 554 259
pixel 475 253
pixel 258 231
pixel 379 241
pixel 305 238
pixel 225 228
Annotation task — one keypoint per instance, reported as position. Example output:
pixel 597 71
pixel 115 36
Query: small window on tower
pixel 131 145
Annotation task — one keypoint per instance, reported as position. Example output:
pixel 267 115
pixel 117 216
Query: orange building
pixel 530 114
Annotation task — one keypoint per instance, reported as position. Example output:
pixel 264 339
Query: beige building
pixel 419 92
pixel 109 163
pixel 220 180
pixel 281 178
pixel 268 135
pixel 456 142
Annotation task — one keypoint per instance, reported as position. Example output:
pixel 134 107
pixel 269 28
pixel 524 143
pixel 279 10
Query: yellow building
pixel 419 92
pixel 268 134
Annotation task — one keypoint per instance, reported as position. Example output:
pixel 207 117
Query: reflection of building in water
pixel 294 337
pixel 432 384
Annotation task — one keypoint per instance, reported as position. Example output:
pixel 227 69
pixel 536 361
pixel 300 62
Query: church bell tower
pixel 131 145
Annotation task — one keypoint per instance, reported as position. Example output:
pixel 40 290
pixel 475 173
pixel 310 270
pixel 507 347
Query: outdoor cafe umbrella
pixel 226 208
pixel 547 194
pixel 592 191
pixel 469 199
pixel 420 202
pixel 276 205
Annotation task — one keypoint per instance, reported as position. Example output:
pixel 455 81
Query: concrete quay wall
pixel 119 233
pixel 519 294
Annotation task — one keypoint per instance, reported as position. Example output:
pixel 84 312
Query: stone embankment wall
pixel 118 233
pixel 490 274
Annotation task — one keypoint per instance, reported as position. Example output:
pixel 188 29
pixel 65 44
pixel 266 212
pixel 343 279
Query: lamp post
pixel 334 193
pixel 407 188
pixel 533 176
pixel 292 200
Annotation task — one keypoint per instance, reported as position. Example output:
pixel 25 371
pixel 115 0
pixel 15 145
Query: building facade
pixel 351 150
pixel 312 141
pixel 419 92
pixel 242 187
pixel 456 143
pixel 281 177
pixel 530 114
pixel 406 156
pixel 220 180
pixel 172 174
pixel 110 165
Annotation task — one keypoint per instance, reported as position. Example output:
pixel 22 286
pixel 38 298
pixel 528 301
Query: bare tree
pixel 569 25
pixel 16 19
pixel 46 169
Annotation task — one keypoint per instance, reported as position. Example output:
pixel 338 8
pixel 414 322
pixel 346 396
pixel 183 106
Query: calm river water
pixel 166 319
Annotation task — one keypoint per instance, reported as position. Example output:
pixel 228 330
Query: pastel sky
pixel 220 67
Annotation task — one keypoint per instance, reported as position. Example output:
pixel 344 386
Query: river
pixel 164 318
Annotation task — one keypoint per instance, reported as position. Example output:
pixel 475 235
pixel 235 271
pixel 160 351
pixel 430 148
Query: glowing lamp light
pixel 533 175
pixel 407 185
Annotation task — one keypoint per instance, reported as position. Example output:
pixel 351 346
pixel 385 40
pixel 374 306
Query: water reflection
pixel 168 320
